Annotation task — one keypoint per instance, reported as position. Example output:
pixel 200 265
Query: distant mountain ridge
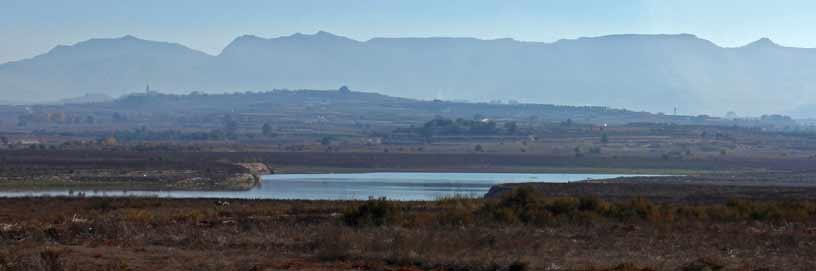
pixel 641 72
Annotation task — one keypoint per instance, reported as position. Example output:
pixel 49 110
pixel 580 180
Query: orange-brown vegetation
pixel 520 231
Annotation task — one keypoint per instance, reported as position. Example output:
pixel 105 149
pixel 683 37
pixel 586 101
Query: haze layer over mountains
pixel 641 72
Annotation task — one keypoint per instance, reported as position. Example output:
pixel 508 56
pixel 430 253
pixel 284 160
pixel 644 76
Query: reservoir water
pixel 348 186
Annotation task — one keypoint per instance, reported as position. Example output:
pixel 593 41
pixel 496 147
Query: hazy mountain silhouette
pixel 642 72
pixel 105 66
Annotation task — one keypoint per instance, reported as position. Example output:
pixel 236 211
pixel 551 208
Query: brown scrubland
pixel 519 230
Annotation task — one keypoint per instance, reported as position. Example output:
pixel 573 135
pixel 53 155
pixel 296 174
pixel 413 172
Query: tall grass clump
pixel 374 212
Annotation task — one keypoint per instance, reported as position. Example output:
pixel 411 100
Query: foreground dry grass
pixel 518 232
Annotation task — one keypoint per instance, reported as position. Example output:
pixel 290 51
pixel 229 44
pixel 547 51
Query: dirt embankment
pixel 232 170
pixel 109 170
pixel 708 187
pixel 663 192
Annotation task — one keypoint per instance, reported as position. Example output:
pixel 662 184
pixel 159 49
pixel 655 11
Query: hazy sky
pixel 31 27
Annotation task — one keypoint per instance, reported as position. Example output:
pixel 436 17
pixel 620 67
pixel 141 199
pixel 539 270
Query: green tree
pixel 267 130
pixel 325 140
pixel 230 125
pixel 118 117
pixel 511 127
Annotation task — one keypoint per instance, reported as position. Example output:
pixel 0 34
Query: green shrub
pixel 592 204
pixel 455 216
pixel 521 205
pixel 520 198
pixel 495 213
pixel 638 208
pixel 563 206
pixel 374 212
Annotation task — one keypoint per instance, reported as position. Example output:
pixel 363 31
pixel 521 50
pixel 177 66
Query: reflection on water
pixel 347 186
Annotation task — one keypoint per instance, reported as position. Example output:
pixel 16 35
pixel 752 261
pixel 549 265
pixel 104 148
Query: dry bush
pixel 374 212
pixel 451 211
pixel 9 260
pixel 194 215
pixel 703 265
pixel 51 259
pixel 334 244
pixel 139 216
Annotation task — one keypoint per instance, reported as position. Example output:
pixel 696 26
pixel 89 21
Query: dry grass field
pixel 523 230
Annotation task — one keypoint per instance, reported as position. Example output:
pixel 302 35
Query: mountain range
pixel 655 73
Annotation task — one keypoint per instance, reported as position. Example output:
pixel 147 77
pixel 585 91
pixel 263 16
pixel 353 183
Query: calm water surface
pixel 348 186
